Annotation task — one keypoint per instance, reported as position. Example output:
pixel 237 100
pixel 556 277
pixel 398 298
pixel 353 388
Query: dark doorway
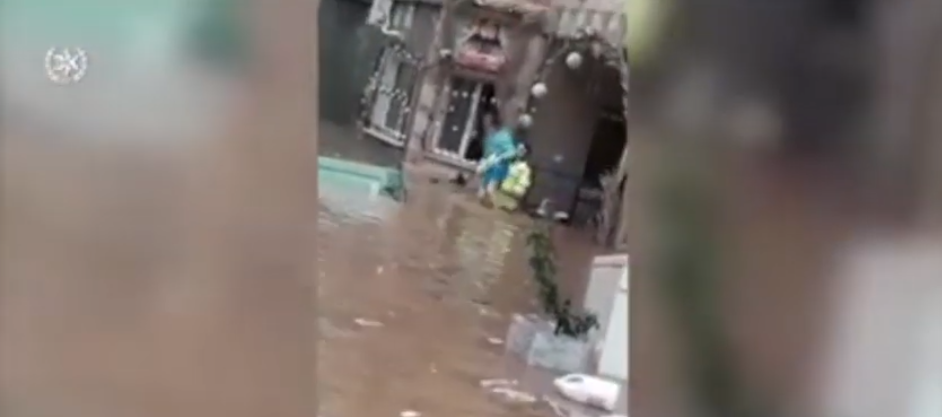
pixel 485 120
pixel 608 141
pixel 464 128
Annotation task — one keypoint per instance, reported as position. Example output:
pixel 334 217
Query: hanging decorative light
pixel 574 60
pixel 525 120
pixel 539 90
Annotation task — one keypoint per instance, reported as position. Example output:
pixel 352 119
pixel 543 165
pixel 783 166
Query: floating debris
pixel 481 302
pixel 503 388
pixel 487 312
pixel 513 395
pixel 367 322
pixel 490 383
pixel 410 413
pixel 331 331
pixel 496 341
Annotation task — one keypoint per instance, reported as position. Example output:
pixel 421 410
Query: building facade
pixel 478 57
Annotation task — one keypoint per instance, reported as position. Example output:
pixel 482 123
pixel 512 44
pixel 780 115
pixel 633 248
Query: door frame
pixel 467 133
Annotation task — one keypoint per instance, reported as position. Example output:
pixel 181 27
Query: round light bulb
pixel 574 60
pixel 525 120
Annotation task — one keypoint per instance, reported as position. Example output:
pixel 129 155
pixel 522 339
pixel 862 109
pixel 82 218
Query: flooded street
pixel 116 296
pixel 433 280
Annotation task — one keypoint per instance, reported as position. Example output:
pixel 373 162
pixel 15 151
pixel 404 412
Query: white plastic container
pixel 589 390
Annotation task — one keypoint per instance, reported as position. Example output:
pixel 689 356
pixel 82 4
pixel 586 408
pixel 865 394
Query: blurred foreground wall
pixel 157 218
pixel 800 132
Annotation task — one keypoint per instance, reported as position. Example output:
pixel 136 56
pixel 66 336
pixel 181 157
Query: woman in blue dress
pixel 500 150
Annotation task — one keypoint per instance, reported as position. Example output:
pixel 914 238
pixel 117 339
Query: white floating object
pixel 367 323
pixel 588 390
pixel 500 382
pixel 513 395
pixel 495 341
pixel 410 413
pixel 502 387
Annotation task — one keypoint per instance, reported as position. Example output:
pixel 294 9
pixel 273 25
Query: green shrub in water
pixel 543 266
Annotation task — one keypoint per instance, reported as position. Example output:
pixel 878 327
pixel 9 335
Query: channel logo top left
pixel 117 72
pixel 66 65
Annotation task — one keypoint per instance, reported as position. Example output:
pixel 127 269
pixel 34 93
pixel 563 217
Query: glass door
pixel 459 125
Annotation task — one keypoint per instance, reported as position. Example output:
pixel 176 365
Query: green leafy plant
pixel 543 265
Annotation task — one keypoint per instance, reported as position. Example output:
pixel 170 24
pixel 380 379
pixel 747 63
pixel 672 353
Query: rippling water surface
pixel 127 290
pixel 442 275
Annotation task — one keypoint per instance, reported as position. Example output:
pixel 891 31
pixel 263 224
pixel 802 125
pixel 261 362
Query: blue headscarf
pixel 500 143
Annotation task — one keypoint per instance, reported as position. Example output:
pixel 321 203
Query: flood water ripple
pixel 439 276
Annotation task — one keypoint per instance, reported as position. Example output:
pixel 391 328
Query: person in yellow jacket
pixel 516 184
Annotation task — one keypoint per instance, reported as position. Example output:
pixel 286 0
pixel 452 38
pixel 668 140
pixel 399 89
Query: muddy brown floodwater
pixel 442 275
pixel 109 306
